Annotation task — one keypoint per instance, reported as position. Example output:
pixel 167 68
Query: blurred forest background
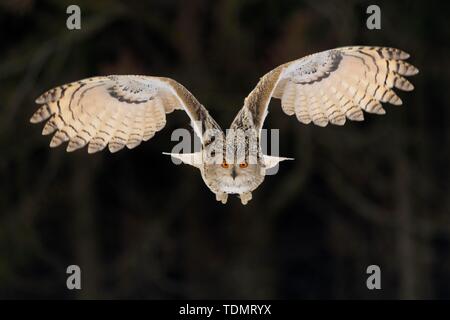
pixel 375 192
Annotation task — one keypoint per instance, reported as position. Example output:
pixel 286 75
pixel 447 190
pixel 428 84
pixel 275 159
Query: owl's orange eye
pixel 225 165
pixel 243 165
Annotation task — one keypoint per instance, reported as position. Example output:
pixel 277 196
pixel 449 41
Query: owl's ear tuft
pixel 193 159
pixel 272 161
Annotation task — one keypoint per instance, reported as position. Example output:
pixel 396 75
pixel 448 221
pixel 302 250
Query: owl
pixel 123 110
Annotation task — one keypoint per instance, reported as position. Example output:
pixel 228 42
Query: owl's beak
pixel 233 173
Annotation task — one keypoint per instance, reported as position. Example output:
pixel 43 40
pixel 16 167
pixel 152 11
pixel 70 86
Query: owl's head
pixel 232 164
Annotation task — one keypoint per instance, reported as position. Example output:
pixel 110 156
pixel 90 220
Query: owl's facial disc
pixel 235 178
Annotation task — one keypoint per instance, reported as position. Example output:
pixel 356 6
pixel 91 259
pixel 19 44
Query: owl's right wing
pixel 333 85
pixel 115 111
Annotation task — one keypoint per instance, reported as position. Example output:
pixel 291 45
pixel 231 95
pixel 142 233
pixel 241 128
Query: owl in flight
pixel 124 110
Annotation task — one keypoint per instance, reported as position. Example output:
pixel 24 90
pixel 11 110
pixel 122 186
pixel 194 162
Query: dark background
pixel 375 192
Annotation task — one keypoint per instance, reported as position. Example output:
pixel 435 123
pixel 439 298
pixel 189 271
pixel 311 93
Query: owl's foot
pixel 245 197
pixel 222 197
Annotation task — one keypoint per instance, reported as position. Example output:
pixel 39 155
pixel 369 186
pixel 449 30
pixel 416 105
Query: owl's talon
pixel 222 197
pixel 245 197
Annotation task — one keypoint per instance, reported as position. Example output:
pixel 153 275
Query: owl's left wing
pixel 334 85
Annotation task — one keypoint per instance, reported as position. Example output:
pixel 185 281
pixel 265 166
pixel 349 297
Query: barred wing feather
pixel 334 85
pixel 114 111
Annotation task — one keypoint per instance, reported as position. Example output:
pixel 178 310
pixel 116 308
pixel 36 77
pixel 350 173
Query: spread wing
pixel 115 111
pixel 334 85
